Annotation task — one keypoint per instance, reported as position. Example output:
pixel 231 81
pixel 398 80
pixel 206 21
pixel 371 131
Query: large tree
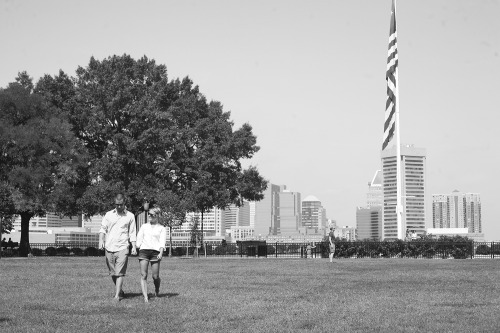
pixel 144 133
pixel 43 164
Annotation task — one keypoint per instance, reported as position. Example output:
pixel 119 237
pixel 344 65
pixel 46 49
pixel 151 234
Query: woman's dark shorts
pixel 149 255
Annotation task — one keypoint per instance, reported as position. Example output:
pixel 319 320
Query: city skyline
pixel 309 78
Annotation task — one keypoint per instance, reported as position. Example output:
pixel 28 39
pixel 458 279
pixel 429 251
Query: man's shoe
pixel 121 294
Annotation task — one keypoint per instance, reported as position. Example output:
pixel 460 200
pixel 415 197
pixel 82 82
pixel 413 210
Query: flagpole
pixel 399 204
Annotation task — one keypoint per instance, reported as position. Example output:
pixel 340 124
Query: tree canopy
pixel 144 132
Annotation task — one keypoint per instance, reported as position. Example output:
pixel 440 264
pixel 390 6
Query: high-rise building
pixel 235 216
pixel 369 222
pixel 374 196
pixel 313 213
pixel 369 218
pixel 231 216
pixel 251 205
pixel 266 212
pixel 289 213
pixel 457 210
pixel 412 191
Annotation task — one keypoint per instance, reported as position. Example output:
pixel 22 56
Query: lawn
pixel 64 294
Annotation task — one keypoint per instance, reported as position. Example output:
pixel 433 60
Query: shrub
pixel 51 251
pixel 63 251
pixel 179 251
pixel 91 251
pixel 77 251
pixel 36 252
pixel 483 249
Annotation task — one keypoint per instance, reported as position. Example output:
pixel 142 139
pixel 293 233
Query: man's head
pixel 120 202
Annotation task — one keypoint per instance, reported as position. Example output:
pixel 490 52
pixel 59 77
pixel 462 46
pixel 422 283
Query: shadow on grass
pixel 164 295
pixel 3 320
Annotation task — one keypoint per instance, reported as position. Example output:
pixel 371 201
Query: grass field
pixel 64 294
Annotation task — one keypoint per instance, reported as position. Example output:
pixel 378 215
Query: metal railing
pixel 344 249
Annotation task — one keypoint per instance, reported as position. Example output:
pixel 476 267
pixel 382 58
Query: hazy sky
pixel 309 76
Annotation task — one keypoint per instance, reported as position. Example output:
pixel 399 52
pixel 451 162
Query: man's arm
pixel 132 234
pixel 102 240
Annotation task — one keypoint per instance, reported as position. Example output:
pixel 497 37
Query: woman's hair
pixel 154 211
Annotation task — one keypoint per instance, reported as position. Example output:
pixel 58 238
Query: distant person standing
pixel 413 235
pixel 331 239
pixel 309 248
pixel 151 241
pixel 117 230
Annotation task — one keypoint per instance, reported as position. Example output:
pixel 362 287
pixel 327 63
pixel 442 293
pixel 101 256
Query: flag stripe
pixel 391 77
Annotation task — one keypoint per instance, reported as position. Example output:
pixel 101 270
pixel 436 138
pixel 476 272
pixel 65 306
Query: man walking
pixel 117 229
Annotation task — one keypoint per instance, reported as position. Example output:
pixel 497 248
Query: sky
pixel 309 76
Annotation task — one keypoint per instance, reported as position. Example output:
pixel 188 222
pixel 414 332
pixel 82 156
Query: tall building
pixel 237 216
pixel 289 213
pixel 251 205
pixel 374 196
pixel 412 191
pixel 313 213
pixel 369 222
pixel 266 212
pixel 457 210
pixel 369 218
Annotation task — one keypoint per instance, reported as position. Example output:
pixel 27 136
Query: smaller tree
pixel 171 213
pixel 196 234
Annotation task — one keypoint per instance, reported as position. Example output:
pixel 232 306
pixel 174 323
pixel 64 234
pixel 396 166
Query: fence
pixel 344 249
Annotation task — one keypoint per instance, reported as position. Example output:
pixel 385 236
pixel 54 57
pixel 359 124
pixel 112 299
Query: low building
pixel 464 232
pixel 58 236
pixel 239 233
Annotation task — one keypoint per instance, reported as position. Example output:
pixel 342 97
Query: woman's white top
pixel 151 237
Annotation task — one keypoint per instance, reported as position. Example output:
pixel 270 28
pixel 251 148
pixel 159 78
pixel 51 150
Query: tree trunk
pixel 24 244
pixel 170 245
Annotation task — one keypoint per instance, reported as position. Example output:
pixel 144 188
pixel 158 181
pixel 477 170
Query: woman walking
pixel 151 241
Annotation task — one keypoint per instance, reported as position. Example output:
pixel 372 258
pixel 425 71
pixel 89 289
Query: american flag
pixel 392 82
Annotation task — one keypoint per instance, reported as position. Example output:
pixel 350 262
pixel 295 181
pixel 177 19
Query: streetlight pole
pixel 1 241
pixel 146 210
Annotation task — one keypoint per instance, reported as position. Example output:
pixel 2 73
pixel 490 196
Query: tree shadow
pixel 3 320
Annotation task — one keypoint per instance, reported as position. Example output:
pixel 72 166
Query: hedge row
pixel 401 249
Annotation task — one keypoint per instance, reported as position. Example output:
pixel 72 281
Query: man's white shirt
pixel 119 230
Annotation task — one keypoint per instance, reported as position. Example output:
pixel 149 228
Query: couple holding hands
pixel 117 230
